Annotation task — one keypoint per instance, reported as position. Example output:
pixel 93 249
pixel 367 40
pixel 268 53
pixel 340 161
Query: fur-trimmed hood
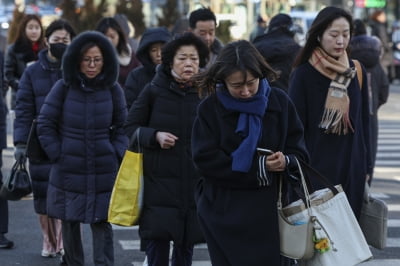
pixel 71 59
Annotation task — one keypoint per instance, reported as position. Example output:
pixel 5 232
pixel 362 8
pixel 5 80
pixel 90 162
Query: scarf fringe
pixel 335 118
pixel 336 122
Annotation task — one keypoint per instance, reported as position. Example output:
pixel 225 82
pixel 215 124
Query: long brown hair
pixel 21 34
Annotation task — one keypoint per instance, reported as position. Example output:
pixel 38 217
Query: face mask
pixel 57 49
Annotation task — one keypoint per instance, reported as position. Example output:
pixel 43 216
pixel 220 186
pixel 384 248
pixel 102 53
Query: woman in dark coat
pixel 238 193
pixel 126 56
pixel 149 54
pixel 332 106
pixel 80 126
pixel 379 28
pixel 24 51
pixel 162 119
pixel 279 48
pixel 367 50
pixel 35 84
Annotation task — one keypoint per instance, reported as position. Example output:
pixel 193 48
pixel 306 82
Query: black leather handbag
pixel 18 183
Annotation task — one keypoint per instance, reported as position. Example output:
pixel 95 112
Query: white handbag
pixel 337 234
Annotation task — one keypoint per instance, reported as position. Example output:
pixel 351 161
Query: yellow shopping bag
pixel 126 197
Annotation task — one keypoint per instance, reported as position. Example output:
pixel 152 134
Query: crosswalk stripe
pixel 382 262
pixel 117 227
pixel 387 162
pixel 387 170
pixel 393 242
pixel 394 207
pixel 380 195
pixel 388 148
pixel 388 141
pixel 135 245
pixel 394 223
pixel 194 263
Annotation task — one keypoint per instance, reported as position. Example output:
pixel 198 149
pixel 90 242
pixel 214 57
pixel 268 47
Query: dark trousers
pixel 157 253
pixel 3 216
pixel 3 203
pixel 102 237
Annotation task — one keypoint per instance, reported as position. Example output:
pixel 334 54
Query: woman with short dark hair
pixel 160 122
pixel 237 195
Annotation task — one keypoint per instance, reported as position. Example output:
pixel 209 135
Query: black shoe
pixel 5 243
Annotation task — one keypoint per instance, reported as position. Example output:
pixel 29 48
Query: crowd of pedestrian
pixel 199 110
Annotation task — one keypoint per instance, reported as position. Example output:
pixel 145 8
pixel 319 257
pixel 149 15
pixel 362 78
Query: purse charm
pixel 321 244
pixel 321 238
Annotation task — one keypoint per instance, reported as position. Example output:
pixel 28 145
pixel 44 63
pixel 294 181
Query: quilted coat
pixel 34 86
pixel 169 211
pixel 80 128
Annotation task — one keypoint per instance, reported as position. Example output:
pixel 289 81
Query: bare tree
pixel 133 10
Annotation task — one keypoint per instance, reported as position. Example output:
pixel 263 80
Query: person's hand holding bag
pixel 20 151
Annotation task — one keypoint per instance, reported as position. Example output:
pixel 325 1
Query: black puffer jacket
pixel 142 75
pixel 279 49
pixel 35 84
pixel 17 57
pixel 169 211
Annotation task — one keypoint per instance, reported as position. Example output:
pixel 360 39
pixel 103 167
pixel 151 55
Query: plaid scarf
pixel 335 118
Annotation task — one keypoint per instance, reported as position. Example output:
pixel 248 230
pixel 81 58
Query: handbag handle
pixel 304 180
pixel 321 178
pixel 307 200
pixel 134 144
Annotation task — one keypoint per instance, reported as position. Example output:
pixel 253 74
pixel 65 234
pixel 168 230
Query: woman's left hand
pixel 276 162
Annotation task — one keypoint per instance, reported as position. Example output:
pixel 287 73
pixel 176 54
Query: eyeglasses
pixel 96 61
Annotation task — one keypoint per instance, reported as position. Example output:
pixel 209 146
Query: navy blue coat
pixel 74 128
pixel 35 84
pixel 343 159
pixel 230 202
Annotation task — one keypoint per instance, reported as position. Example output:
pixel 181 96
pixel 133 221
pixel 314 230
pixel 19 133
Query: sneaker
pixel 46 254
pixel 61 252
pixel 5 243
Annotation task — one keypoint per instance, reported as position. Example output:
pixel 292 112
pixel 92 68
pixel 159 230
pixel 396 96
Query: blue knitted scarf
pixel 249 124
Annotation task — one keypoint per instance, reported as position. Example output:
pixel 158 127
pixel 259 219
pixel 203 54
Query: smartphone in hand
pixel 264 151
